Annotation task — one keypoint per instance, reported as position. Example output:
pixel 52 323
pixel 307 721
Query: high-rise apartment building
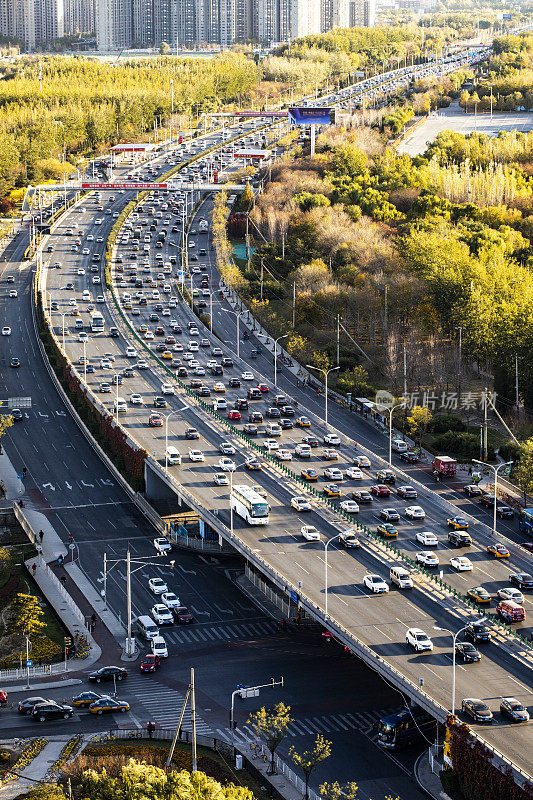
pixel 362 13
pixel 79 16
pixel 114 24
pixel 35 22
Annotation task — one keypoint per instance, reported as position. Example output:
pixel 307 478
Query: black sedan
pixel 362 496
pixel 26 706
pixel 522 579
pixel 477 709
pixel 183 615
pixel 505 512
pixel 514 710
pixel 50 710
pixel 108 674
pixel 478 632
pixel 467 652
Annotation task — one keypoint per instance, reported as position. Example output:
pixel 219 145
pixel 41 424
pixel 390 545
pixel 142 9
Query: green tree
pixel 308 200
pixel 164 48
pixel 321 360
pixel 271 725
pixel 524 469
pixel 336 791
pixel 27 615
pixel 310 759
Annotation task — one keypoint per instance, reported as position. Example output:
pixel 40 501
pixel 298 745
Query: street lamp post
pixel 391 410
pixel 237 314
pixel 177 411
pixel 454 637
pixel 285 335
pixel 495 470
pixel 115 377
pixel 129 648
pixel 63 331
pixel 85 362
pixel 326 545
pixel 232 472
pixel 325 372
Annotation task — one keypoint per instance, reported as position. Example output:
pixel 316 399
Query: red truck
pixel 444 467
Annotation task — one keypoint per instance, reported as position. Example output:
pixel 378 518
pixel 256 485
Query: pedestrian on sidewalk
pixel 470 469
pixel 298 618
pixel 150 728
pixel 284 625
pixel 41 535
pixel 34 568
pixel 63 580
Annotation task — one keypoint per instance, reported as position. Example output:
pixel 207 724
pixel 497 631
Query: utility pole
pixel 386 312
pixel 338 338
pixel 404 372
pixel 485 411
pixel 516 384
pixel 293 304
pixel 193 722
pixel 262 265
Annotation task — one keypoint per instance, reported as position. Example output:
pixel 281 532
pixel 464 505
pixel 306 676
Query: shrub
pixel 460 445
pixel 446 422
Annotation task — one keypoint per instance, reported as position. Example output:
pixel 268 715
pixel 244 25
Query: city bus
pixel 249 505
pixel 97 321
pixel 406 727
pixel 525 522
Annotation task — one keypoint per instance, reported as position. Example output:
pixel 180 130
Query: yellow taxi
pixel 331 490
pixel 303 422
pixel 167 355
pixel 219 387
pixel 309 474
pixel 143 328
pixel 107 705
pixel 479 594
pixel 387 530
pixel 458 523
pixel 498 550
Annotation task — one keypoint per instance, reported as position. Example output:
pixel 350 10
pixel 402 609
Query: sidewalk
pixel 36 770
pixel 428 780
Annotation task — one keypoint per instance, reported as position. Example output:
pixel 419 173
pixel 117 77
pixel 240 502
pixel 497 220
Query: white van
pixel 399 446
pixel 119 405
pixel 273 429
pixel 173 456
pixel 401 577
pixel 159 647
pixel 147 627
pixel 155 294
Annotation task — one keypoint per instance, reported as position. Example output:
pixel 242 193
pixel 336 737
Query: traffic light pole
pixel 244 692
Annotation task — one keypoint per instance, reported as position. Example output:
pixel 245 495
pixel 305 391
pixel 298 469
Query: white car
pixel 509 593
pixel 142 365
pixel 350 506
pixel 196 455
pixel 105 363
pixel 226 464
pixel 375 583
pixel 300 503
pixel 131 352
pixel 161 614
pixel 221 479
pixel 136 400
pixel 349 539
pixel 284 455
pixel 100 298
pixel 427 538
pixel 415 512
pixel 427 558
pixel 157 585
pixel 362 461
pixel 418 639
pixel 247 376
pixel 461 564
pixel 167 388
pixel 332 438
pixel 270 444
pixel 226 448
pixel 13 293
pixel 159 647
pixel 333 474
pixel 310 533
pixel 96 279
pixel 81 272
pixel 354 473
pixel 148 336
pixel 162 545
pixel 6 331
pixel 171 600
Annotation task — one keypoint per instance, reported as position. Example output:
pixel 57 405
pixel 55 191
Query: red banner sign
pixel 130 185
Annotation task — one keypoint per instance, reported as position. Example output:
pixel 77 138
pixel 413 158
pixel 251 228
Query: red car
pixel 235 415
pixel 263 387
pixel 149 663
pixel 155 421
pixel 380 490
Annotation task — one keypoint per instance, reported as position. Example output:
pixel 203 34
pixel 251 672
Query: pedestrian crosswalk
pixel 207 633
pixel 362 721
pixel 163 705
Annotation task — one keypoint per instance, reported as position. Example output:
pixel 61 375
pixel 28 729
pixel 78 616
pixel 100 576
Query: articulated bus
pixel 97 321
pixel 406 727
pixel 249 505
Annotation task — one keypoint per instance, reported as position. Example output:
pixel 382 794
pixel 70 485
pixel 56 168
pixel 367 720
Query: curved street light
pixel 325 372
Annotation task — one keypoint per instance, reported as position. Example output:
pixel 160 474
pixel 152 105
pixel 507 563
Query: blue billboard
pixel 306 115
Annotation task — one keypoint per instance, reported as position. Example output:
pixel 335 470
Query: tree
pixel 419 420
pixel 27 614
pixel 336 791
pixel 6 421
pixel 271 725
pixel 310 759
pixel 524 469
pixel 164 48
pixel 320 360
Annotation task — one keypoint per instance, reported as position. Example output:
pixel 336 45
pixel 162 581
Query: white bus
pixel 249 505
pixel 97 321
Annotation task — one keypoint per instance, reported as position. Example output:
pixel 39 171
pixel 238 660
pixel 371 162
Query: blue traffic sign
pixel 29 663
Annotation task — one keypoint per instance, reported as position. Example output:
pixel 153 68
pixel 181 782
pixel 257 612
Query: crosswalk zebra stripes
pixel 203 633
pixel 163 705
pixel 362 721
